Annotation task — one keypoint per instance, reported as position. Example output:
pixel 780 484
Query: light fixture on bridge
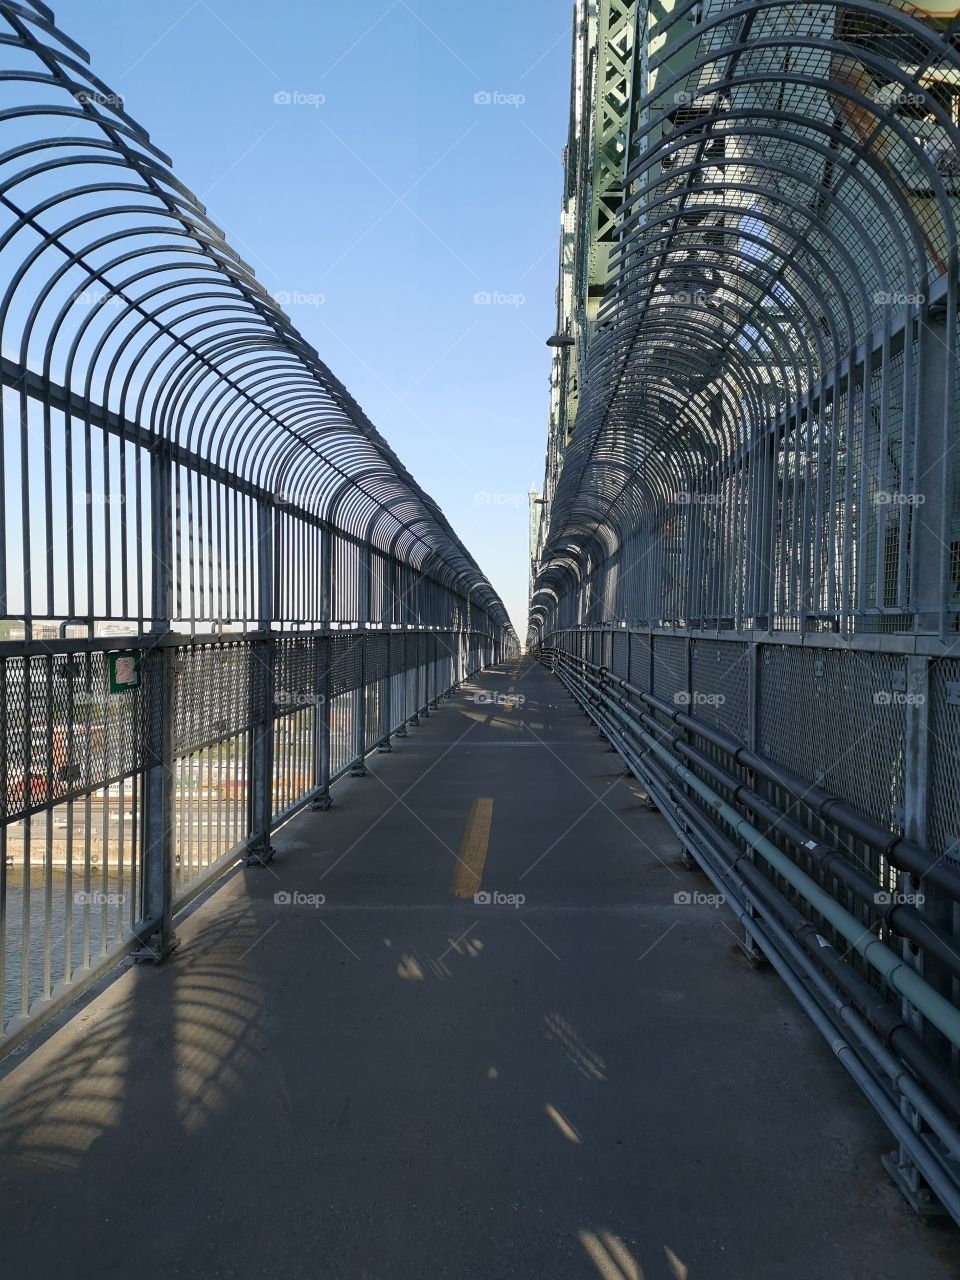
pixel 558 340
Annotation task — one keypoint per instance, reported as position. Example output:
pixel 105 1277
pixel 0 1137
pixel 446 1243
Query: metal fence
pixel 819 789
pixel 760 428
pixel 747 569
pixel 219 587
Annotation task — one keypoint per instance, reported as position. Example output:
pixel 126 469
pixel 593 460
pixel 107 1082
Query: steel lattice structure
pixel 219 587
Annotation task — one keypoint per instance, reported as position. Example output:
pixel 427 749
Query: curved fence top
pixel 791 185
pixel 122 302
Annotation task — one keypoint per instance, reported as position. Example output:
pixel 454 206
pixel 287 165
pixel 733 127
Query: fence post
pixel 762 489
pixel 927 507
pixel 364 574
pixel 322 680
pixel 749 945
pixel 753 695
pixel 449 666
pixel 385 686
pixel 160 676
pixel 359 769
pixel 259 851
pixel 434 646
pixel 322 685
pixel 423 709
pixel 403 683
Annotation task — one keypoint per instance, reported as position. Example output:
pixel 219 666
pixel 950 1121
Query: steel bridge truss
pixel 219 587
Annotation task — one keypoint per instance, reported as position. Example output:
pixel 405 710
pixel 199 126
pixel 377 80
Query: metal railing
pixel 747 569
pixel 760 427
pixel 862 922
pixel 219 587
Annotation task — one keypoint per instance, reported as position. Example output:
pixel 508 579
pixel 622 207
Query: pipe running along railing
pixel 747 569
pixel 802 888
pixel 219 587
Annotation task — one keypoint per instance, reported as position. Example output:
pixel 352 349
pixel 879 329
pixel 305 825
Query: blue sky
pixel 384 209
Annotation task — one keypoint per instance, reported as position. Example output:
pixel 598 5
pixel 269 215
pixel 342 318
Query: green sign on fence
pixel 124 670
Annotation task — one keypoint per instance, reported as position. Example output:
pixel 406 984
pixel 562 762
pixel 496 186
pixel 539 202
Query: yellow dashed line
pixel 473 850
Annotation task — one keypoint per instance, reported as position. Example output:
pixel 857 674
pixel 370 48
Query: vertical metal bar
pixel 323 682
pixel 247 561
pixel 205 827
pixel 104 855
pixel 385 695
pixel 928 508
pixel 47 668
pixel 761 556
pixel 359 768
pixel 401 682
pixel 423 668
pixel 68 896
pixel 104 502
pixel 878 514
pixel 156 934
pixel 414 640
pixel 157 938
pixel 259 851
pixel 754 668
pixel 823 463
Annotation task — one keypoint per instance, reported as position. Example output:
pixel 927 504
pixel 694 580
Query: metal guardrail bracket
pixel 751 952
pixel 154 950
pixel 903 1173
pixel 260 857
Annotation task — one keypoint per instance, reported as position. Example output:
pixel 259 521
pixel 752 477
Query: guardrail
pixel 859 920
pixel 220 589
pixel 215 746
pixel 745 560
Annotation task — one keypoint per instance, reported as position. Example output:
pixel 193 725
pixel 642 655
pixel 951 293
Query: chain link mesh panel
pixel 346 656
pixel 220 690
pixel 376 665
pixel 619 654
pixel 720 674
pixel 398 655
pixel 669 666
pixel 64 732
pixel 836 718
pixel 295 672
pixel 943 825
pixel 640 650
